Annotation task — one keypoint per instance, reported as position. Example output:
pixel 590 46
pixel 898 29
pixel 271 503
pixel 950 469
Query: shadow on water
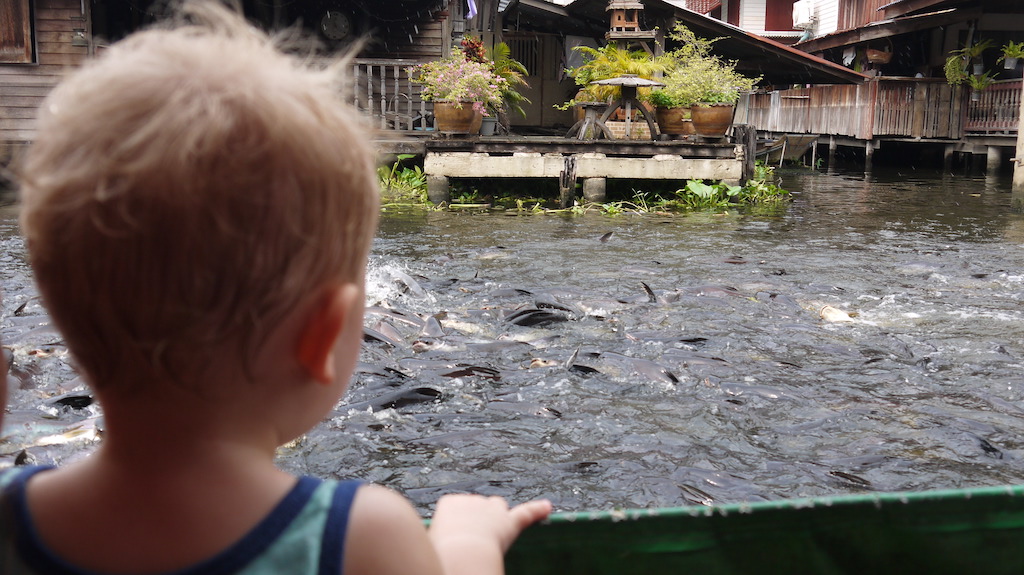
pixel 867 337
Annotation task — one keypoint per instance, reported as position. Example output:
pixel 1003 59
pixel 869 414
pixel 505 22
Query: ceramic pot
pixel 674 121
pixel 488 125
pixel 712 120
pixel 1009 63
pixel 464 120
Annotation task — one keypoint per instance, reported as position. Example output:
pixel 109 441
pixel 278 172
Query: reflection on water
pixel 682 360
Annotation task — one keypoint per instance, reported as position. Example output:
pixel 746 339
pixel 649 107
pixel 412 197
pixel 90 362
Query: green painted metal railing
pixel 959 531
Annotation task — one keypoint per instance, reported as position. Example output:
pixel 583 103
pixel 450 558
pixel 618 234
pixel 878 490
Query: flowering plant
pixel 456 79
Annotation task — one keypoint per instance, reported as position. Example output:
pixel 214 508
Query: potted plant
pixel 461 89
pixel 956 64
pixel 1012 52
pixel 978 84
pixel 611 61
pixel 710 84
pixel 672 112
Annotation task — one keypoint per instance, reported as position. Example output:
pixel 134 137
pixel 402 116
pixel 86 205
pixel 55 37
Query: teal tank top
pixel 304 534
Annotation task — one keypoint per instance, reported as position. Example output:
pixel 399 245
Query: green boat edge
pixel 977 530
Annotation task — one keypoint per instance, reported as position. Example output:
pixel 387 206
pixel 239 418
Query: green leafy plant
pixel 979 83
pixel 403 182
pixel 955 68
pixel 1012 50
pixel 514 73
pixel 696 76
pixel 607 62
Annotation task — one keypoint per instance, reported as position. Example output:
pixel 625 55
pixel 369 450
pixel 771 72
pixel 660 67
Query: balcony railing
pixel 385 91
pixel 997 109
pixel 894 107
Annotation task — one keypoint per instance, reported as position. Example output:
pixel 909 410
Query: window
pixel 15 32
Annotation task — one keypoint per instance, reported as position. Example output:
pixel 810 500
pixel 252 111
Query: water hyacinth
pixel 455 79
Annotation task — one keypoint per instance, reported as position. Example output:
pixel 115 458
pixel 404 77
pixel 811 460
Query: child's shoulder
pixel 19 474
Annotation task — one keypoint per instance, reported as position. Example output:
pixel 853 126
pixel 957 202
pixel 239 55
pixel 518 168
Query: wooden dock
pixel 592 161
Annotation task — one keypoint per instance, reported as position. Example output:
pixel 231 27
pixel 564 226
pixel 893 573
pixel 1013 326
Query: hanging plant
pixel 956 64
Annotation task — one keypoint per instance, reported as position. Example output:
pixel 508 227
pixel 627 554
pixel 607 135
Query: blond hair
pixel 186 190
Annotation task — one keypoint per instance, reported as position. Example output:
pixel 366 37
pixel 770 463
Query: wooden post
pixel 832 145
pixel 947 157
pixel 745 135
pixel 869 153
pixel 1017 197
pixel 567 182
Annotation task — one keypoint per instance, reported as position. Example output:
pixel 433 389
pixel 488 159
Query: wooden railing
pixel 997 109
pixel 916 108
pixel 384 90
pixel 830 109
pixel 901 107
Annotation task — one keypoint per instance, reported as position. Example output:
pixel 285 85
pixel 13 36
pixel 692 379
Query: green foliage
pixel 958 60
pixel 514 73
pixel 698 76
pixel 664 99
pixel 1012 50
pixel 608 62
pixel 399 182
pixel 981 82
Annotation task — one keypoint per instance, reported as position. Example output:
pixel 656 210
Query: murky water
pixel 720 381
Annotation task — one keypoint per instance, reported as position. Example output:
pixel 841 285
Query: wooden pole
pixel 1017 197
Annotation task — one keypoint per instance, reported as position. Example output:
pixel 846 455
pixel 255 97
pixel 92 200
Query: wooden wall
pixel 422 40
pixel 858 13
pixel 23 86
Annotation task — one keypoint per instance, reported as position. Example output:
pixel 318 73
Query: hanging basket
pixel 880 56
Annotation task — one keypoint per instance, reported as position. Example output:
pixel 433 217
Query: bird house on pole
pixel 624 26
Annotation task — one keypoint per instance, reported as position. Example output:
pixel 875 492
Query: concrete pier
pixel 593 162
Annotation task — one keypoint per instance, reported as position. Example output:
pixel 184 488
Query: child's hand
pixel 471 533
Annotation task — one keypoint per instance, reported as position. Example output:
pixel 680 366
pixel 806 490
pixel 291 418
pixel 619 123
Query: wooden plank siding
pixel 906 108
pixel 23 86
pixel 919 109
pixel 858 13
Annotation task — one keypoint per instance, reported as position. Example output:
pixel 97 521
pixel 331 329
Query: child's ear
pixel 323 328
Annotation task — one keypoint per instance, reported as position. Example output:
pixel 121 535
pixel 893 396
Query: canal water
pixel 867 336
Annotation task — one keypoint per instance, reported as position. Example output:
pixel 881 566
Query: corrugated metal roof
pixel 756 55
pixel 701 6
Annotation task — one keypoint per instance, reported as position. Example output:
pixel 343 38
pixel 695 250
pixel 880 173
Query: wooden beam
pixel 903 7
pixel 888 29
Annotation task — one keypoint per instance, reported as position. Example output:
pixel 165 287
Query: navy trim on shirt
pixel 38 557
pixel 332 549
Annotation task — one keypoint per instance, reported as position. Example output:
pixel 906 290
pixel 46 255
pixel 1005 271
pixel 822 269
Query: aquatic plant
pixel 400 182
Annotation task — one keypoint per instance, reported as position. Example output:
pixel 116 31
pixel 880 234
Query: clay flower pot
pixel 464 120
pixel 712 120
pixel 674 121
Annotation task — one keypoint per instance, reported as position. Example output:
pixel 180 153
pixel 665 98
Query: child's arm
pixel 469 534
